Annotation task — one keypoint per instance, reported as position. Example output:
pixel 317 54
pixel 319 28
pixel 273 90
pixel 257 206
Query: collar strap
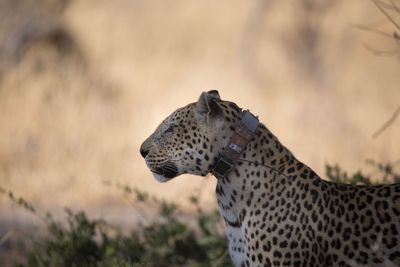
pixel 237 144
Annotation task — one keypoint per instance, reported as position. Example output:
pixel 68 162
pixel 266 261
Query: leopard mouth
pixel 165 172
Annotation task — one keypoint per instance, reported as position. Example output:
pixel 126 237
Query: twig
pixel 365 28
pixel 20 201
pixel 383 6
pixel 387 124
pixel 392 5
pixel 378 52
pixel 386 14
pixel 395 6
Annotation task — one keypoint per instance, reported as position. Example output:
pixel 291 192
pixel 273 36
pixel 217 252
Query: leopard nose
pixel 144 152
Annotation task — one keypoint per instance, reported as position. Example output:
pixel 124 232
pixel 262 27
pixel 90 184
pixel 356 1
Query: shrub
pixel 167 241
pixel 382 173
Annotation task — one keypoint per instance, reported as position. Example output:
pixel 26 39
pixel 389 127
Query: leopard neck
pixel 266 152
pixel 266 163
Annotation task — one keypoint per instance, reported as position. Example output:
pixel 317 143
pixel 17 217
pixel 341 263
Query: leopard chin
pixel 160 178
pixel 165 172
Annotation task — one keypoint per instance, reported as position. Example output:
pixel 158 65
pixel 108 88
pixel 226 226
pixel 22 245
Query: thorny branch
pixel 381 53
pixel 378 4
pixel 387 124
pixel 384 7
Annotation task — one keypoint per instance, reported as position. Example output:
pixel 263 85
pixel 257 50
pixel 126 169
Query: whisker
pixel 164 162
pixel 176 160
pixel 170 168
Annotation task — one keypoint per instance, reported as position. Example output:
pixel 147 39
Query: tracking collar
pixel 238 142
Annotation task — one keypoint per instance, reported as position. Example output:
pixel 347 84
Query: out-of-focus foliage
pixel 170 240
pixel 383 173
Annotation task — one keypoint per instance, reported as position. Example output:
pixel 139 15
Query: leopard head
pixel 191 138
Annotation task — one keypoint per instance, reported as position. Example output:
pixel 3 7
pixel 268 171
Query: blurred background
pixel 84 83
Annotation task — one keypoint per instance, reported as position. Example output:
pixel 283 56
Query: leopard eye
pixel 170 129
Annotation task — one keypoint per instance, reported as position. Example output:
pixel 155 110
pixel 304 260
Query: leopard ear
pixel 207 106
pixel 214 94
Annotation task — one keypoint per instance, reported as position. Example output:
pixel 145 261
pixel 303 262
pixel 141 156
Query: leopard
pixel 277 210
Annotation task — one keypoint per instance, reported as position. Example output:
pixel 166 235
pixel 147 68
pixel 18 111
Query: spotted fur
pixel 277 210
